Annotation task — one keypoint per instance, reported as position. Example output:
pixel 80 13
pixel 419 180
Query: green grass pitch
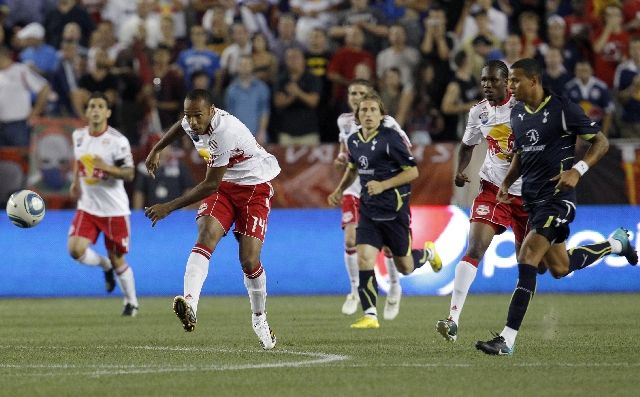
pixel 578 345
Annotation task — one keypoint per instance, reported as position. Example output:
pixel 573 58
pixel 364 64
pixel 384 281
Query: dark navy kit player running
pixel 546 127
pixel 381 158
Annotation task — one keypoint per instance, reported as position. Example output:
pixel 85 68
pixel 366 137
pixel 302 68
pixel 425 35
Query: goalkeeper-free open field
pixel 587 345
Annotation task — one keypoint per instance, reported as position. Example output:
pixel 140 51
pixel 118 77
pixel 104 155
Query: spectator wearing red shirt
pixel 610 44
pixel 344 62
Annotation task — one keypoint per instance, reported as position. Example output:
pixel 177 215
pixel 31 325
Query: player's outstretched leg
pixel 185 313
pixel 125 276
pixel 496 346
pixel 350 305
pixel 392 303
pixel 427 254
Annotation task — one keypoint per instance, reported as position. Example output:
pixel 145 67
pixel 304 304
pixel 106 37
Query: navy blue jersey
pixel 546 139
pixel 381 156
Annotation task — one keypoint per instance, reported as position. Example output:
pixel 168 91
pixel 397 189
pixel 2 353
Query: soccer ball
pixel 25 208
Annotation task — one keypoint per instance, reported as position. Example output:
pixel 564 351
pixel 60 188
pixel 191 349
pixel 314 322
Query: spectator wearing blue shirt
pixel 626 83
pixel 248 98
pixel 42 57
pixel 198 57
pixel 592 94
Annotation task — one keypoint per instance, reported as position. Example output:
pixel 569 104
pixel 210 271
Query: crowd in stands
pixel 282 66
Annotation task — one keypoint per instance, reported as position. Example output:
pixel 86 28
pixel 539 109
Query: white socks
pixel 465 274
pixel 509 335
pixel 616 246
pixel 195 274
pixel 256 284
pixel 392 271
pixel 351 263
pixel 127 284
pixel 92 258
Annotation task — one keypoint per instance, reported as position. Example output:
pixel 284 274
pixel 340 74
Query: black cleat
pixel 496 346
pixel 130 310
pixel 109 280
pixel 185 313
pixel 448 329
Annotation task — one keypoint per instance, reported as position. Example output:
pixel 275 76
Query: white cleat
pixel 392 304
pixel 350 306
pixel 262 329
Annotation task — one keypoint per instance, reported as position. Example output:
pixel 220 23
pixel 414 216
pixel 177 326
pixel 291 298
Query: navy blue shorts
pixel 395 234
pixel 552 218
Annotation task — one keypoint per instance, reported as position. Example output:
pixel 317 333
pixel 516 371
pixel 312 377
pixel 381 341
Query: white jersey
pixel 347 126
pixel 494 124
pixel 228 142
pixel 102 195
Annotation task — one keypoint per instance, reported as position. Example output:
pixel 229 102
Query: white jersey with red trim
pixel 228 142
pixel 494 124
pixel 102 195
pixel 347 125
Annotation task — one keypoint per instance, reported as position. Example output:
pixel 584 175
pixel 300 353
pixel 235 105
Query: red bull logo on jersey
pixel 500 141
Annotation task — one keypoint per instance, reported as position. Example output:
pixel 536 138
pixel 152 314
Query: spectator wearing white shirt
pixel 16 109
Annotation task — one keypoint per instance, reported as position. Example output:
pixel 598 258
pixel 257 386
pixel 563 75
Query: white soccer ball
pixel 25 208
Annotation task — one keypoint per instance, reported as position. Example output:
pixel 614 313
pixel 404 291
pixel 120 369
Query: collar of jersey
pixel 368 139
pixel 547 99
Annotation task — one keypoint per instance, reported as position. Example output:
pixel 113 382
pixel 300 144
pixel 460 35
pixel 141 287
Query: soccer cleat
pixel 448 329
pixel 109 280
pixel 628 250
pixel 392 304
pixel 130 310
pixel 436 262
pixel 185 313
pixel 366 322
pixel 350 305
pixel 496 346
pixel 265 334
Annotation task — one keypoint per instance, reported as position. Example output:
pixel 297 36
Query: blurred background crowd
pixel 282 66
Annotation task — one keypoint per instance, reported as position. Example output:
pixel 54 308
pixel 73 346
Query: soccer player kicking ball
pixel 235 189
pixel 350 202
pixel 546 127
pixel 103 163
pixel 382 159
pixel 489 119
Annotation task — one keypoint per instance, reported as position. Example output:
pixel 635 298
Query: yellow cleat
pixel 366 322
pixel 436 262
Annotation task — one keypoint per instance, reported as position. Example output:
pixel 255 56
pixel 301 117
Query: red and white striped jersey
pixel 228 142
pixel 347 125
pixel 102 195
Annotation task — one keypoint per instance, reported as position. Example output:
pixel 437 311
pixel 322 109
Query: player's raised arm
pixel 153 159
pixel 203 189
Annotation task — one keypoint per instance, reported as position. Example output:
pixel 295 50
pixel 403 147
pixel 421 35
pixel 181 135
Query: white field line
pixel 97 370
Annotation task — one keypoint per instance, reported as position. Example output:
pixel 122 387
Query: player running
pixel 546 127
pixel 489 119
pixel 381 157
pixel 235 189
pixel 350 202
pixel 103 162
